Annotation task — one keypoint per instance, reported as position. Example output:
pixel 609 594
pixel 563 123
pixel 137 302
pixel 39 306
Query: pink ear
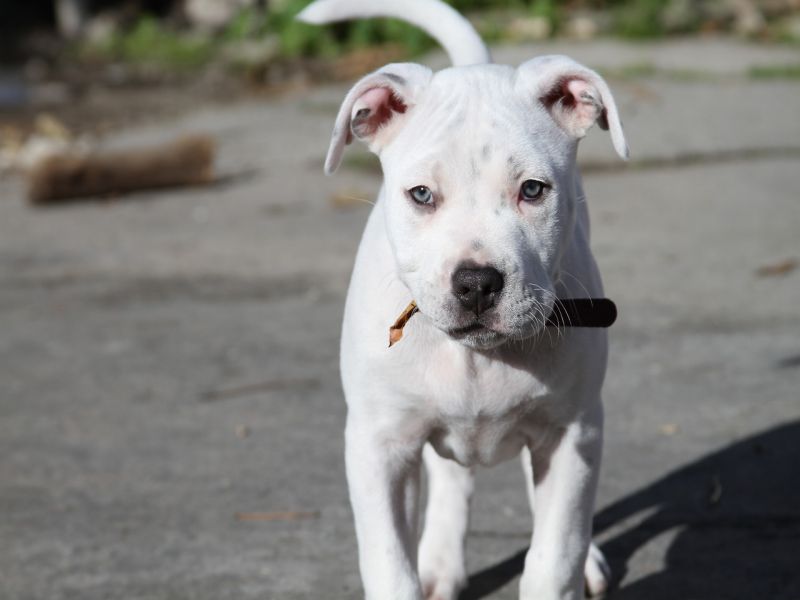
pixel 573 104
pixel 375 108
pixel 586 106
pixel 575 96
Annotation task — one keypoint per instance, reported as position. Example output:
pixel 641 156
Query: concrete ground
pixel 169 360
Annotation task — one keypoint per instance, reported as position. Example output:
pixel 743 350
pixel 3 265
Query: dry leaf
pixel 396 330
pixel 783 267
pixel 669 429
pixel 271 385
pixel 643 92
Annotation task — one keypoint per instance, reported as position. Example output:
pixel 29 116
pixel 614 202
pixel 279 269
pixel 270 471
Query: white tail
pixel 439 20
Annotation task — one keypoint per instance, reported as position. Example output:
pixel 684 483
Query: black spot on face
pixel 477 245
pixel 486 152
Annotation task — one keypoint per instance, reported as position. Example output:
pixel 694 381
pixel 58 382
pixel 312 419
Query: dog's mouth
pixel 476 335
pixel 480 334
pixel 473 327
pixel 494 327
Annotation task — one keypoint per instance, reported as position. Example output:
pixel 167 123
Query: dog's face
pixel 480 187
pixel 478 206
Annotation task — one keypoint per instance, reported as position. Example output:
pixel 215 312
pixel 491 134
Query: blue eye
pixel 421 195
pixel 531 190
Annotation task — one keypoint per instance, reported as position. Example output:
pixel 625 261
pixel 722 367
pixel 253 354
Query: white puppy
pixel 481 221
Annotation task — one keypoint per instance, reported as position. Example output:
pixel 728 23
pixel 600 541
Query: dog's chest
pixel 487 415
pixel 478 441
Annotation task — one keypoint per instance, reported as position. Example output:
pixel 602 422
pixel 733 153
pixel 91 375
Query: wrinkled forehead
pixel 475 110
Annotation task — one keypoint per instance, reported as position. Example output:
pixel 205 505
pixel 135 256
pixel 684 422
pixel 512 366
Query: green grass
pixel 152 42
pixel 639 19
pixel 547 9
pixel 148 42
pixel 775 72
pixel 648 70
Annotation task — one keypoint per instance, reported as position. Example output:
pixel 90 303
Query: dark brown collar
pixel 583 312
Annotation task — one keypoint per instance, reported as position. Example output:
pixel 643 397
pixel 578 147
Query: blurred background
pixel 173 266
pixel 85 59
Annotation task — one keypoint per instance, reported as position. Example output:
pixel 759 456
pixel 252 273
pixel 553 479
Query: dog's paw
pixel 441 580
pixel 440 588
pixel 597 572
pixel 441 568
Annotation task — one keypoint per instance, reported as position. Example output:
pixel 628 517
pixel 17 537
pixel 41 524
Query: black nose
pixel 477 288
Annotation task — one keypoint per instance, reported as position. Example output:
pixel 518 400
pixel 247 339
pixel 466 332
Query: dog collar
pixel 583 312
pixel 568 312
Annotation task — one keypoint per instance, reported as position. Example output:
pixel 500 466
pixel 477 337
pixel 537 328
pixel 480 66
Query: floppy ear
pixel 376 107
pixel 576 97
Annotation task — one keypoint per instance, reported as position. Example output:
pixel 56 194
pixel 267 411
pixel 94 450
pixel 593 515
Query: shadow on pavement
pixel 738 515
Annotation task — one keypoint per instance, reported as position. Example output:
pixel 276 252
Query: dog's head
pixel 480 186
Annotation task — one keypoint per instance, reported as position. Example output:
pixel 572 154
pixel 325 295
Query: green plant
pixel 299 39
pixel 148 42
pixel 296 38
pixel 775 72
pixel 248 23
pixel 412 38
pixel 639 19
pixel 547 9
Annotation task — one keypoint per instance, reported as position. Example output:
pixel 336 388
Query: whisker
pixel 563 319
pixel 340 197
pixel 579 282
pixel 539 307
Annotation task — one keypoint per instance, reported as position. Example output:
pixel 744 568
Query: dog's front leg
pixel 442 569
pixel 383 477
pixel 565 474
